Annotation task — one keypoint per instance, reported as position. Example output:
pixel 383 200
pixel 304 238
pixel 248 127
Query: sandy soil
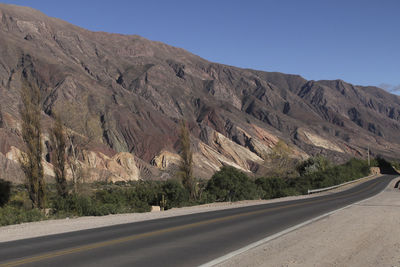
pixel 364 234
pixel 42 228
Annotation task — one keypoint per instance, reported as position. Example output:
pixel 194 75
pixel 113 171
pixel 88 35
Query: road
pixel 188 240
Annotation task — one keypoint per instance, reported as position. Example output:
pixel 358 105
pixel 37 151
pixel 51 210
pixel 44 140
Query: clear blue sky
pixel 354 40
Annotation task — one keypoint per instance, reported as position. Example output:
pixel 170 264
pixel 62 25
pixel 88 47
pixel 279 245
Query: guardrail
pixel 336 186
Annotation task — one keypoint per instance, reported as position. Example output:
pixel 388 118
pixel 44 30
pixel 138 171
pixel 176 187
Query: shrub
pixel 14 215
pixel 313 164
pixel 148 192
pixel 5 191
pixel 351 170
pixel 175 194
pixel 230 184
pixel 274 188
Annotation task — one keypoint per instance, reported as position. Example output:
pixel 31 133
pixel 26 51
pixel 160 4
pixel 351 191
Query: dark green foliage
pixel 14 215
pixel 351 170
pixel 133 197
pixel 385 166
pixel 273 187
pixel 230 184
pixel 313 164
pixel 5 191
pixel 175 194
pixel 316 174
pixel 139 197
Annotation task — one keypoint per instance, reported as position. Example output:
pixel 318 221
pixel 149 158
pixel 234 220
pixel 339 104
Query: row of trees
pixel 66 148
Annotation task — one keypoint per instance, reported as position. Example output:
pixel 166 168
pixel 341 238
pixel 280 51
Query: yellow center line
pixel 163 231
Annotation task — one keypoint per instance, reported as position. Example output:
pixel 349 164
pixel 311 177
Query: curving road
pixel 188 240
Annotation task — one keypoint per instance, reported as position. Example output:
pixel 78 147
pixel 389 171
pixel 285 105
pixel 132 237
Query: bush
pixel 175 194
pixel 351 170
pixel 312 165
pixel 14 215
pixel 274 188
pixel 5 191
pixel 229 184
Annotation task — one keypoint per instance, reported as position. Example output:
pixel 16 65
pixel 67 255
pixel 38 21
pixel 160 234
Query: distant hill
pixel 134 92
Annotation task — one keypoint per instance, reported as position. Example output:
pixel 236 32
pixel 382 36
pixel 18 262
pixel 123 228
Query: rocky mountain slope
pixel 131 94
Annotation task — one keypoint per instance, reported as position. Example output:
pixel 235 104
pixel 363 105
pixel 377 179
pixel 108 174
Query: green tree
pixel 58 157
pixel 31 160
pixel 230 184
pixel 273 187
pixel 313 164
pixel 175 194
pixel 5 191
pixel 186 164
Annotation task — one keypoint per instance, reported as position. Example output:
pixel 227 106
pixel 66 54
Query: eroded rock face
pixel 135 92
pixel 318 141
pixel 121 167
pixel 96 166
pixel 127 164
pixel 10 170
pixel 165 160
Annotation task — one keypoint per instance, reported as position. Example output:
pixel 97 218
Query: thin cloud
pixel 390 87
pixel 395 88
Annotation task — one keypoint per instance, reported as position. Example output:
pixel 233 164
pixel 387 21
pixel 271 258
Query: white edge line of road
pixel 282 233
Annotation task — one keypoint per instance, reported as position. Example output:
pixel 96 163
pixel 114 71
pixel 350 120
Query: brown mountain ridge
pixel 133 92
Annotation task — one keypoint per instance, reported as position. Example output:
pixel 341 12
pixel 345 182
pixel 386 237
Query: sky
pixel 357 41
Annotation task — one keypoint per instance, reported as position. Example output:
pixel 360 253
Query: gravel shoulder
pixel 364 234
pixel 49 227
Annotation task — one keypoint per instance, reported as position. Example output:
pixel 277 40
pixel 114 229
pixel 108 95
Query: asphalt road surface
pixel 188 240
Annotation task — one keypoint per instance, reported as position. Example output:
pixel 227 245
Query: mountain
pixel 133 92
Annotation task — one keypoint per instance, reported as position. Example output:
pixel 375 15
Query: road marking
pixel 277 235
pixel 171 229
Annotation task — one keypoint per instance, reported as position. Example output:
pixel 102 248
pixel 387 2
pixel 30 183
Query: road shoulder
pixel 363 234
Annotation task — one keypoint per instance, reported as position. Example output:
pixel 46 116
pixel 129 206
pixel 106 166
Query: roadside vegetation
pixel 36 200
pixel 228 184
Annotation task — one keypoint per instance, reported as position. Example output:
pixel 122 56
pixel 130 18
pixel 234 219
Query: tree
pixel 230 184
pixel 31 160
pixel 81 131
pixel 272 187
pixel 175 194
pixel 279 163
pixel 186 164
pixel 313 164
pixel 1 118
pixel 58 157
pixel 5 191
